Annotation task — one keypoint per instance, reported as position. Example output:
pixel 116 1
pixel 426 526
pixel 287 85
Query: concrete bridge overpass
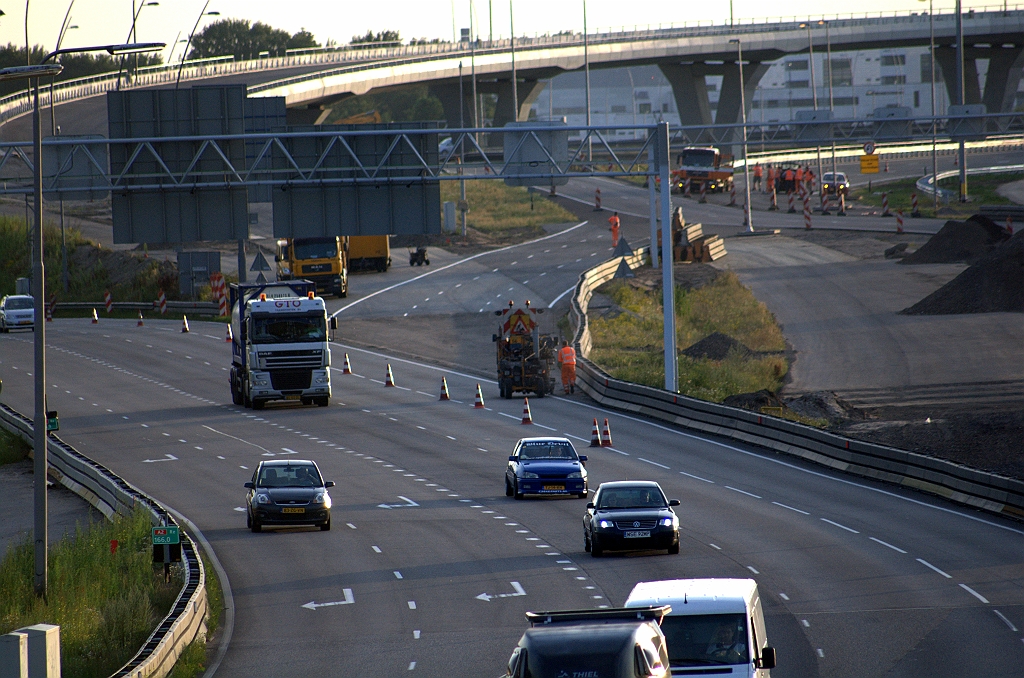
pixel 310 84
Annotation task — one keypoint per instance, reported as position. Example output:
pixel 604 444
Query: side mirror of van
pixel 673 502
pixel 767 660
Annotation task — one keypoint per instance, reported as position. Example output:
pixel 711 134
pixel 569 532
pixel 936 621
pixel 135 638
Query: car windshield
pixel 18 303
pixel 548 450
pixel 286 329
pixel 290 476
pixel 706 639
pixel 695 158
pixel 631 497
pixel 828 176
pixel 316 248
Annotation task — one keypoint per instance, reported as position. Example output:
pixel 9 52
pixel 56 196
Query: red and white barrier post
pixel 807 211
pixel 885 205
pixel 732 195
pixel 597 199
pixel 914 212
pixel 899 221
pixel 792 207
pixel 703 191
pixel 108 301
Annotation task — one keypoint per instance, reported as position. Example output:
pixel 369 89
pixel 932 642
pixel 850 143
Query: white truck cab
pixel 713 623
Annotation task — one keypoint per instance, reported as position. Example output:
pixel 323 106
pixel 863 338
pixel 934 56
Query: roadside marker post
pixel 108 301
pixel 703 191
pixel 885 205
pixel 184 324
pixel 914 212
pixel 774 207
pixel 792 206
pixel 899 221
pixel 478 404
pixel 807 212
pixel 347 367
pixel 95 319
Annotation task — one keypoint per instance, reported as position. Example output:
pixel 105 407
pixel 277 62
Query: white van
pixel 713 622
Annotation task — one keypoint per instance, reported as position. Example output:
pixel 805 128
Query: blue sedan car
pixel 545 466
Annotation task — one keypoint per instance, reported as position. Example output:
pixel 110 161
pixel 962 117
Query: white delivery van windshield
pixel 706 639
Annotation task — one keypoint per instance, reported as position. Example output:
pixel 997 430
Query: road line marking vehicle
pixel 714 625
pixel 279 347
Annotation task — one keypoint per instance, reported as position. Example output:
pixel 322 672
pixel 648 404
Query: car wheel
pixel 586 542
pixel 248 520
pixel 540 391
pixel 508 488
pixel 326 527
pixel 595 550
pixel 516 492
pixel 581 495
pixel 255 526
pixel 674 549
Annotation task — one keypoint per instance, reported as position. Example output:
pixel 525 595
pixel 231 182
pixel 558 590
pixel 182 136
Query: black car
pixel 287 492
pixel 630 515
pixel 545 466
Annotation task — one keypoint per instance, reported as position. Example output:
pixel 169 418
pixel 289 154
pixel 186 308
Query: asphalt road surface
pixel 858 578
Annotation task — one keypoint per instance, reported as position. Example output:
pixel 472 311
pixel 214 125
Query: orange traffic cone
pixel 139 324
pixel 444 390
pixel 228 337
pixel 595 435
pixel 527 417
pixel 606 437
pixel 95 320
pixel 390 380
pixel 479 404
pixel 184 324
pixel 347 367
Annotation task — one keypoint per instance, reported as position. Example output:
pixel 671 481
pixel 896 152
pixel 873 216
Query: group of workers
pixel 794 178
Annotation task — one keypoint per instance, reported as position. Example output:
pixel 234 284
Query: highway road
pixel 858 578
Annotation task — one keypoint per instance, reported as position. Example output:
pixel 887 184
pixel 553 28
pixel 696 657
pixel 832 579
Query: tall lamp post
pixel 188 43
pixel 814 86
pixel 831 101
pixel 743 117
pixel 931 59
pixel 33 74
pixel 586 72
pixel 962 99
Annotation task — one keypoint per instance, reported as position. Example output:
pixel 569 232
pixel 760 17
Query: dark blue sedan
pixel 545 466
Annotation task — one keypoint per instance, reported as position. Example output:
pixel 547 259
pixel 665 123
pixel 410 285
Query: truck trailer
pixel 279 345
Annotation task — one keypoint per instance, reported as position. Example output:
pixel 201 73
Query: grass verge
pixel 12 448
pixel 630 346
pixel 195 659
pixel 981 188
pixel 106 603
pixel 505 212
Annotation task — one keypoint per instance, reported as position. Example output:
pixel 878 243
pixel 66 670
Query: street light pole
pixel 961 95
pixel 814 86
pixel 743 118
pixel 188 43
pixel 586 71
pixel 831 99
pixel 515 89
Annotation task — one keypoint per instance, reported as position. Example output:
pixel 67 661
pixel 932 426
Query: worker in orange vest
pixel 614 228
pixel 789 179
pixel 757 177
pixel 567 359
pixel 770 181
pixel 809 178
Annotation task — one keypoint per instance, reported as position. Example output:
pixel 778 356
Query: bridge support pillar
pixel 527 92
pixel 448 94
pixel 690 90
pixel 1005 66
pixel 945 56
pixel 728 112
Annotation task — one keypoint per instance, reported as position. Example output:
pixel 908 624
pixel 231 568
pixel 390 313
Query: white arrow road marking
pixel 170 457
pixel 408 503
pixel 349 599
pixel 486 597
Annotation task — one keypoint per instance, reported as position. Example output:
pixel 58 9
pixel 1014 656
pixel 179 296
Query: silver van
pixel 713 623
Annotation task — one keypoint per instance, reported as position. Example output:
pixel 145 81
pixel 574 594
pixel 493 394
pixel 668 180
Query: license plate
pixel 293 397
pixel 293 510
pixel 554 488
pixel 24 322
pixel 636 534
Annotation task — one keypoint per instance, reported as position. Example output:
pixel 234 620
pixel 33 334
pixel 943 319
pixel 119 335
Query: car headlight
pixel 262 498
pixel 574 475
pixel 605 523
pixel 527 474
pixel 666 522
pixel 322 498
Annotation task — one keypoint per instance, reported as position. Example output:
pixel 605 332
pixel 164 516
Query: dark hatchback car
pixel 287 492
pixel 630 515
pixel 545 466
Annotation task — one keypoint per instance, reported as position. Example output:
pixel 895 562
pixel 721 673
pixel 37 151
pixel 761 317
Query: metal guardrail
pixel 924 184
pixel 988 491
pixel 111 494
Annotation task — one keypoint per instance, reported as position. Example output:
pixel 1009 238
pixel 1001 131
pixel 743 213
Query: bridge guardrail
pixel 924 184
pixel 988 491
pixel 111 494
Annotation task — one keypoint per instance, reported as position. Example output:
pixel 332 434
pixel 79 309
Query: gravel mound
pixel 824 405
pixel 754 401
pixel 959 241
pixel 994 284
pixel 715 346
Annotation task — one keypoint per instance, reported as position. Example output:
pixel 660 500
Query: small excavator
pixel 524 356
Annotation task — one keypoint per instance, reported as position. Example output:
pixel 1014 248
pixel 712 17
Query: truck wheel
pixel 323 401
pixel 236 397
pixel 246 401
pixel 258 404
pixel 540 391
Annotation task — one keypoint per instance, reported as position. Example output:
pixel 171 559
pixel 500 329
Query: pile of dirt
pixel 824 405
pixel 994 284
pixel 959 242
pixel 754 401
pixel 688 276
pixel 716 346
pixel 125 268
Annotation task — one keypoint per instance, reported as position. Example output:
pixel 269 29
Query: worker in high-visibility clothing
pixel 566 357
pixel 757 177
pixel 614 228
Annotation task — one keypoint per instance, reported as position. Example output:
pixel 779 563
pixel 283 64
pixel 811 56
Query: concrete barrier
pixel 957 483
pixel 110 494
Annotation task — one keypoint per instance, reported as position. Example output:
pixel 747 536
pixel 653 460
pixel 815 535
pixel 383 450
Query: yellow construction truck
pixel 323 261
pixel 369 253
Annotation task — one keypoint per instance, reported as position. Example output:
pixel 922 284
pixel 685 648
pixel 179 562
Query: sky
pixel 102 22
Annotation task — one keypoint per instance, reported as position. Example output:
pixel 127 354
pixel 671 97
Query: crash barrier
pixel 956 483
pixel 193 307
pixel 111 495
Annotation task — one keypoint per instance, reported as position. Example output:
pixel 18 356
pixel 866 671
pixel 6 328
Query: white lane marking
pixel 519 591
pixel 974 593
pixel 805 623
pixel 456 263
pixel 429 395
pixel 481 449
pixel 715 546
pixel 349 599
pixel 351 525
pixel 930 566
pixel 398 575
pixel 652 463
pixel 416 634
pixel 220 457
pixel 559 297
pixel 783 596
pixel 239 509
pixel 544 427
pixel 791 508
pixel 728 487
pixel 144 425
pixel 508 415
pixel 412 604
pixel 228 435
pixel 690 475
pixel 842 527
pixel 752 569
pixel 894 548
pixel 1006 621
pixel 245 467
pixel 569 435
pixel 376 549
pixel 449 437
pixel 170 457
pixel 376 381
pixel 412 665
pixel 821 653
